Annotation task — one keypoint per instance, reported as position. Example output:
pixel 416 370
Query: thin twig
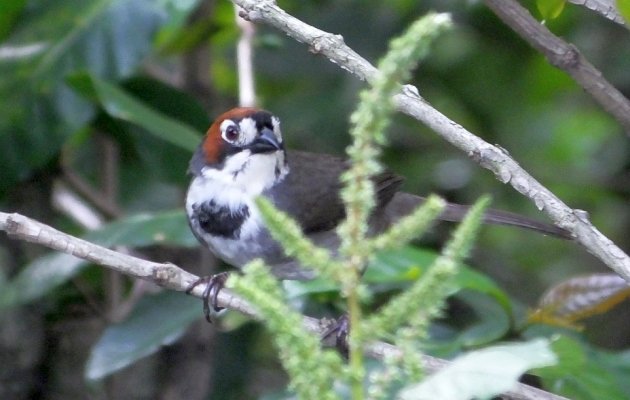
pixel 564 56
pixel 109 183
pixel 81 186
pixel 488 156
pixel 172 277
pixel 245 62
pixel 70 204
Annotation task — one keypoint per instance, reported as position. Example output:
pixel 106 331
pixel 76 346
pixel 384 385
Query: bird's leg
pixel 340 329
pixel 214 284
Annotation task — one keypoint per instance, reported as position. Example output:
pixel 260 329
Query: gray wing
pixel 403 204
pixel 310 192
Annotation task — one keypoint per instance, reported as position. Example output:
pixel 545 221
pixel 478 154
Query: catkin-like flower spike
pixel 410 227
pixel 369 122
pixel 408 316
pixel 295 244
pixel 312 370
pixel 368 131
pixel 423 301
pixel 463 239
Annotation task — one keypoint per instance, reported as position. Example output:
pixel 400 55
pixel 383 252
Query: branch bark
pixel 245 62
pixel 488 156
pixel 606 8
pixel 172 277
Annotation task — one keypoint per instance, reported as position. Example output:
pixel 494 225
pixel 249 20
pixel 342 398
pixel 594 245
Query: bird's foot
pixel 339 330
pixel 214 284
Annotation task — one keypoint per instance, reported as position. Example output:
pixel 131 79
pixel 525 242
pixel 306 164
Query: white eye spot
pixel 230 132
pixel 249 132
pixel 275 121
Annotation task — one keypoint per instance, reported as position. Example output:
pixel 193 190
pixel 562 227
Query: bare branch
pixel 67 202
pixel 245 62
pixel 488 156
pixel 564 56
pixel 172 277
pixel 606 8
pixel 82 187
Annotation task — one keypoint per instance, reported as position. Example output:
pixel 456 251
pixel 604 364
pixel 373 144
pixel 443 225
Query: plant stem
pixel 355 338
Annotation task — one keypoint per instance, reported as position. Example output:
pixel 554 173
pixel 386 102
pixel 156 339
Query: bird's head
pixel 243 147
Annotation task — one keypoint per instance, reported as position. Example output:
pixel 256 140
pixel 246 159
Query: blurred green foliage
pixel 72 70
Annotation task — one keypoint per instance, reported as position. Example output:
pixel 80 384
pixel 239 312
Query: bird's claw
pixel 340 329
pixel 214 284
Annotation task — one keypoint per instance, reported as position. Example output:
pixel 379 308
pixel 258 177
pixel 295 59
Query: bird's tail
pixel 404 203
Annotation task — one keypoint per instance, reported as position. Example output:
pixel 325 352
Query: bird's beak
pixel 267 142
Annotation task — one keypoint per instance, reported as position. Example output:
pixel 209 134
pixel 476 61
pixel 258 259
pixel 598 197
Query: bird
pixel 242 156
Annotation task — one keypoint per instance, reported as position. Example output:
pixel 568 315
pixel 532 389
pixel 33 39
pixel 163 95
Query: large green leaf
pixel 9 13
pixel 168 100
pixel 119 104
pixel 141 150
pixel 550 9
pixel 583 372
pixel 397 268
pixel 483 373
pixel 48 272
pixel 157 320
pixel 624 9
pixel 491 321
pixel 409 263
pixel 168 227
pixel 491 306
pixel 109 38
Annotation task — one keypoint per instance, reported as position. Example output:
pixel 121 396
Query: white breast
pixel 243 177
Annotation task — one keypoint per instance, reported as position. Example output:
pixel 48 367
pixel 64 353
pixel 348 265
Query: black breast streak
pixel 238 171
pixel 220 220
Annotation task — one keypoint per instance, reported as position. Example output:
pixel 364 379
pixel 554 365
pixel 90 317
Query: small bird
pixel 242 156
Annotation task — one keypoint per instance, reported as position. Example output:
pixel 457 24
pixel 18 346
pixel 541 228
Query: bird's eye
pixel 231 133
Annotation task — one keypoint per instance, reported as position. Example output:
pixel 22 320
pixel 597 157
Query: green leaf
pixel 580 297
pixel 168 100
pixel 141 150
pixel 585 373
pixel 624 9
pixel 121 30
pixel 9 13
pixel 491 321
pixel 483 373
pixel 617 364
pixel 397 268
pixel 157 320
pixel 188 37
pixel 106 37
pixel 187 31
pixel 121 105
pixel 550 9
pixel 48 272
pixel 168 227
pixel 409 263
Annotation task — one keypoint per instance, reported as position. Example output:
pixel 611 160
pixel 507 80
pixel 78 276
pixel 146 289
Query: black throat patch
pixel 220 220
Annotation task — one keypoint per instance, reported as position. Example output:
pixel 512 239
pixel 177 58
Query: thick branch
pixel 163 274
pixel 606 8
pixel 488 156
pixel 564 56
pixel 172 277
